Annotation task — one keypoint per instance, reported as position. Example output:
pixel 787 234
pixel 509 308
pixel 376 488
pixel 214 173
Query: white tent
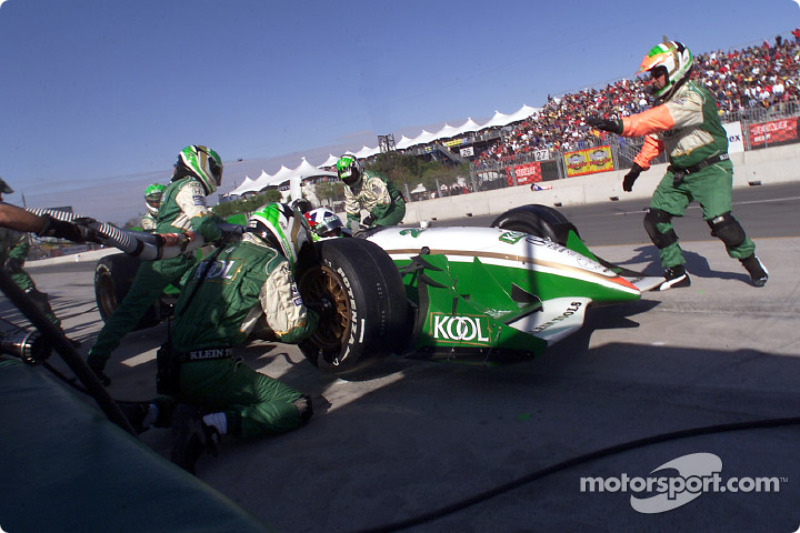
pixel 404 143
pixel 306 170
pixel 261 182
pixel 468 127
pixel 498 120
pixel 501 119
pixel 523 113
pixel 244 187
pixel 299 175
pixel 447 132
pixel 366 152
pixel 330 162
pixel 423 138
pixel 282 176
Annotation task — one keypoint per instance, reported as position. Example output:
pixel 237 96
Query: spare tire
pixel 539 220
pixel 364 312
pixel 113 277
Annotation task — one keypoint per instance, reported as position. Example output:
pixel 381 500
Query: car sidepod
pixel 489 295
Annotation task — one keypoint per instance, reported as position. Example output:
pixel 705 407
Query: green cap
pixel 4 188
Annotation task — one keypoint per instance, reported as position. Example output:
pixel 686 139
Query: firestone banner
pixel 526 173
pixel 773 132
pixel 588 161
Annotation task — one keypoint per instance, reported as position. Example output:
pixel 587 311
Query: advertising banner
pixel 735 137
pixel 773 132
pixel 525 173
pixel 588 161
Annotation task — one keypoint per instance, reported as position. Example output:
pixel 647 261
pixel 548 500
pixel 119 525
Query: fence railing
pixel 496 173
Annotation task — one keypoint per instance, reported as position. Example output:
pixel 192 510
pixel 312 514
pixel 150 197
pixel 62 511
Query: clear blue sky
pixel 98 96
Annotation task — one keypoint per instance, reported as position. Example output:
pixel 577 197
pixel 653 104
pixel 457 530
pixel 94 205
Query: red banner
pixel 525 173
pixel 775 131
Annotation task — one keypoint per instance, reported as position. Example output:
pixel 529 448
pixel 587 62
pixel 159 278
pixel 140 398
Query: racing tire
pixel 364 312
pixel 113 277
pixel 539 220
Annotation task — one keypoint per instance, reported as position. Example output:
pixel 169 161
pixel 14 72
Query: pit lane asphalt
pixel 405 437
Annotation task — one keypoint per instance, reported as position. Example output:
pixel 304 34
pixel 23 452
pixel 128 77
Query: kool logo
pixel 217 269
pixel 413 232
pixel 459 328
pixel 511 237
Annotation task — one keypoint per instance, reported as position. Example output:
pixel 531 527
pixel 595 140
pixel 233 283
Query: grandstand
pixel 757 90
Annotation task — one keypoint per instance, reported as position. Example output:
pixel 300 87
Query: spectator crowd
pixel 754 77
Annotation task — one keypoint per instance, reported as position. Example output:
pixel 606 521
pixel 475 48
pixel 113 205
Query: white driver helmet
pixel 325 224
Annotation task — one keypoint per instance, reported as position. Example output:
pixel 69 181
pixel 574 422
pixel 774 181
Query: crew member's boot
pixel 756 269
pixel 675 277
pixel 193 437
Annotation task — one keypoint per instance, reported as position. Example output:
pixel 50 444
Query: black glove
pixel 368 220
pixel 14 265
pixel 630 177
pixel 77 231
pixel 322 306
pixel 614 126
pixel 87 231
pixel 302 205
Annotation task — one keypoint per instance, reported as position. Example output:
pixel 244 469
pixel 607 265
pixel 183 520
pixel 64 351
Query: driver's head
pixel 325 224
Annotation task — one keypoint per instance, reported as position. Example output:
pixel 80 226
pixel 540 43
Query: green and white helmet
pixel 277 226
pixel 152 197
pixel 349 169
pixel 674 58
pixel 201 162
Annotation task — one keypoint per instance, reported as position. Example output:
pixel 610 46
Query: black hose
pixel 575 461
pixel 127 241
pixel 148 246
pixel 65 350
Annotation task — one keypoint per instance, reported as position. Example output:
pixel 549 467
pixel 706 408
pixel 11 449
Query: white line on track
pixel 734 203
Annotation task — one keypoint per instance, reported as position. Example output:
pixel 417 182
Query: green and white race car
pixel 471 294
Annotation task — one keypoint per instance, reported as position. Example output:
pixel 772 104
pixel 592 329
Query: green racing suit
pixel 223 300
pixel 376 194
pixel 183 208
pixel 149 222
pixel 688 128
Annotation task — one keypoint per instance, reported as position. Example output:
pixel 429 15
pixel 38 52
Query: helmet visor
pixel 216 170
pixel 351 175
pixel 657 71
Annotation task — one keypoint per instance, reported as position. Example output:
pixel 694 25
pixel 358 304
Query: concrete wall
pixel 92 256
pixel 767 166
